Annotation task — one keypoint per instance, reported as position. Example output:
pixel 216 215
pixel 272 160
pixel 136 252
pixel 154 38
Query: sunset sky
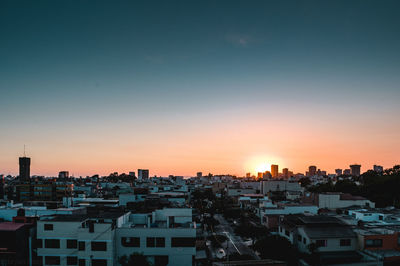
pixel 177 87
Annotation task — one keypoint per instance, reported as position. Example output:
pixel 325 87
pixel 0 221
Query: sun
pixel 259 163
pixel 262 167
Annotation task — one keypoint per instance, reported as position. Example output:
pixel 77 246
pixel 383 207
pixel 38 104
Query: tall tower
pixel 312 170
pixel 143 174
pixel 24 168
pixel 274 170
pixel 355 169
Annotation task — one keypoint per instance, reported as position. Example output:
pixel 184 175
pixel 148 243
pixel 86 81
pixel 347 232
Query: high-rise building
pixel 285 172
pixel 259 175
pixel 132 173
pixel 347 172
pixel 378 168
pixel 338 172
pixel 143 174
pixel 63 174
pixel 199 174
pixel 267 175
pixel 355 169
pixel 274 170
pixel 248 175
pixel 312 170
pixel 24 168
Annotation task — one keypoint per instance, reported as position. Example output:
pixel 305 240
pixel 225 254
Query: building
pixel 165 237
pixel 331 241
pixel 274 185
pixel 355 169
pixel 143 174
pixel 337 200
pixel 43 191
pixel 16 240
pixel 347 172
pixel 312 170
pixel 79 239
pixel 338 172
pixel 378 168
pixel 285 172
pixel 248 175
pixel 63 174
pixel 267 175
pixel 274 170
pixel 24 168
pixel 199 174
pixel 132 173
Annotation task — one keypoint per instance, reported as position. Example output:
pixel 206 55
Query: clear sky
pixel 186 86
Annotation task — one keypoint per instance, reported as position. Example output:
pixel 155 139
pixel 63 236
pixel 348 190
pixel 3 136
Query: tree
pixel 305 181
pixel 135 259
pixel 276 247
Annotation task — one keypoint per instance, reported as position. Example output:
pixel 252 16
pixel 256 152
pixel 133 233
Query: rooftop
pixel 10 226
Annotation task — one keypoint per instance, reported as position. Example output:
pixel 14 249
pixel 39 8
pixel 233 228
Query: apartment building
pixel 79 239
pixel 165 237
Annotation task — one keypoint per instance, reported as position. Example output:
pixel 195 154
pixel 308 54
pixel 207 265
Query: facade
pixel 355 169
pixel 79 239
pixel 16 240
pixel 333 200
pixel 378 168
pixel 165 237
pixel 24 168
pixel 267 186
pixel 274 170
pixel 312 170
pixel 338 172
pixel 285 172
pixel 143 174
pixel 63 174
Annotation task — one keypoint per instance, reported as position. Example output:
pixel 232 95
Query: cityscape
pixel 199 133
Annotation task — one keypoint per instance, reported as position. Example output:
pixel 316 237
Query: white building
pixel 166 237
pixel 78 239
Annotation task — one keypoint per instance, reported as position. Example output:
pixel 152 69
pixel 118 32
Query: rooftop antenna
pixel 24 151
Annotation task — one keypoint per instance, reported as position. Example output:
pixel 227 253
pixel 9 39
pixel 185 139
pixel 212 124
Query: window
pixel 287 233
pixel 183 242
pixel 82 245
pixel 72 260
pixel 373 243
pixel 72 243
pixel 130 242
pixel 99 246
pixel 158 242
pixel 160 260
pixel 99 262
pixel 48 227
pixel 321 243
pixel 304 240
pixel 299 238
pixel 82 262
pixel 52 243
pixel 52 260
pixel 39 243
pixel 345 242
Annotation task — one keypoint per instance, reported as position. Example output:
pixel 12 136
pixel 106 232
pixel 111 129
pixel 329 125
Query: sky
pixel 177 87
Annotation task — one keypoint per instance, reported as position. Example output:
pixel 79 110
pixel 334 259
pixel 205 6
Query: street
pixel 234 243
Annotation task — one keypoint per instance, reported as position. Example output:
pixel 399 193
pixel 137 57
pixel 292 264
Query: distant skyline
pixel 213 86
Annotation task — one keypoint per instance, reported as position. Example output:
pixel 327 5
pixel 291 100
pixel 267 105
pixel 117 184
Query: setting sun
pixel 263 167
pixel 261 163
